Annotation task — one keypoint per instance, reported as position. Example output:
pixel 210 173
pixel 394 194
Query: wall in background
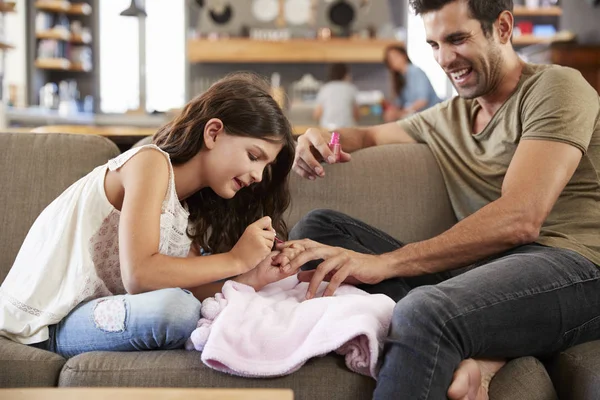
pixel 365 76
pixel 580 17
pixel 16 60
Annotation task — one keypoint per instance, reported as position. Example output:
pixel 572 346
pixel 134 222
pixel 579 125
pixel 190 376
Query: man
pixel 519 151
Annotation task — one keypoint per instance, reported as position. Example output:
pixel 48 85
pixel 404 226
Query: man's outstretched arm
pixel 313 145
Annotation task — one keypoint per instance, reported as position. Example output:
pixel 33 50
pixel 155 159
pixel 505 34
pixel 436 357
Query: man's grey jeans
pixel 532 300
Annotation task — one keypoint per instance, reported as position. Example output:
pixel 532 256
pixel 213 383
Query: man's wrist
pixel 389 266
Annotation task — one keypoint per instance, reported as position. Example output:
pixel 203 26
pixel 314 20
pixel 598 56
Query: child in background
pixel 336 101
pixel 113 264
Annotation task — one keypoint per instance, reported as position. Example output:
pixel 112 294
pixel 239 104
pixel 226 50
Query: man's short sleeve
pixel 560 106
pixel 419 125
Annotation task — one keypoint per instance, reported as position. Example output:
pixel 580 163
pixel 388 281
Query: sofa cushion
pixel 523 378
pixel 321 378
pixel 34 169
pixel 576 372
pixel 396 188
pixel 25 366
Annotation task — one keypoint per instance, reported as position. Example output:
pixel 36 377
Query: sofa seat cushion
pixel 523 378
pixel 25 366
pixel 320 378
pixel 576 372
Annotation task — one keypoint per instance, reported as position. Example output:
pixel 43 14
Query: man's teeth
pixel 459 74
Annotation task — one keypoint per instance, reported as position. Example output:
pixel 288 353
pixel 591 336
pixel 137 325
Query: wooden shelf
pixel 289 51
pixel 81 39
pixel 78 67
pixel 524 40
pixel 54 34
pixel 53 5
pixel 61 34
pixel 6 46
pixel 60 64
pixel 53 63
pixel 7 6
pixel 80 9
pixel 537 12
pixel 60 6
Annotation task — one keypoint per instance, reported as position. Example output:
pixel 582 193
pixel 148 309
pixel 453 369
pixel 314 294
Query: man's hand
pixel 313 148
pixel 339 266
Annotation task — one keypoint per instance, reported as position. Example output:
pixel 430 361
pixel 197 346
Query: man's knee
pixel 313 223
pixel 425 309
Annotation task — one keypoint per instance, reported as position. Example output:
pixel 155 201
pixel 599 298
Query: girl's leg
pixel 162 319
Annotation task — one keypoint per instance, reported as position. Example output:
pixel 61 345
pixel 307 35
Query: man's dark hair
pixel 485 11
pixel 337 72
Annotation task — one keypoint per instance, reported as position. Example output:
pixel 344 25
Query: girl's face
pixel 235 162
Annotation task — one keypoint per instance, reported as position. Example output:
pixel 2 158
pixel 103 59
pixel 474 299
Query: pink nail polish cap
pixel 335 138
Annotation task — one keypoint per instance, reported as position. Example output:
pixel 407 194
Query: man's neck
pixel 507 84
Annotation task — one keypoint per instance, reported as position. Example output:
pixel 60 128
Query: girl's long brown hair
pixel 243 103
pixel 398 80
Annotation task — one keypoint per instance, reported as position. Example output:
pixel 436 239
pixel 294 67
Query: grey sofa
pixel 396 188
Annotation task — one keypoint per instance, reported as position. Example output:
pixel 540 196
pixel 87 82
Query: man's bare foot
pixel 472 379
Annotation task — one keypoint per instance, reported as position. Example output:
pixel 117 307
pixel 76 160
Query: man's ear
pixel 212 130
pixel 504 26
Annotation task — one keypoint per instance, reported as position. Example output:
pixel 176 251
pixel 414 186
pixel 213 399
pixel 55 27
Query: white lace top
pixel 71 254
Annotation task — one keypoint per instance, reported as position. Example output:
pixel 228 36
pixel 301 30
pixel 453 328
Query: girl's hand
pixel 273 268
pixel 254 245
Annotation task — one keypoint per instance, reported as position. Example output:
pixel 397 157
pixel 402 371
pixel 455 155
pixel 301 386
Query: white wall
pixel 16 67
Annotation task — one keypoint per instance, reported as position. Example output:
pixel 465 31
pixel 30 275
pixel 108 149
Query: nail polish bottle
pixel 334 145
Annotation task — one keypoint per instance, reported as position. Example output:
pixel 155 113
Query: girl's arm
pixel 144 181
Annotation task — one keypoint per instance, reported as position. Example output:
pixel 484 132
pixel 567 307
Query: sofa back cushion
pixel 396 188
pixel 34 169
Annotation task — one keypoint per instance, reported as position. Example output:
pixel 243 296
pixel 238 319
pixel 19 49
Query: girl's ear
pixel 212 129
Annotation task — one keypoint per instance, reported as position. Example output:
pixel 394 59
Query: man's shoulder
pixel 551 73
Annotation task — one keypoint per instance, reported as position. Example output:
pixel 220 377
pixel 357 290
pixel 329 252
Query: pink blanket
pixel 275 331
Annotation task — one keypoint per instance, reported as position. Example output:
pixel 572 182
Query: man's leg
pixel 534 300
pixel 334 228
pixel 162 319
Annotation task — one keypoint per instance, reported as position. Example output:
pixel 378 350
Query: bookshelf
pixel 62 46
pixel 529 17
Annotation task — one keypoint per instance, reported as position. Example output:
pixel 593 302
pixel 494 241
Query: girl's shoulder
pixel 149 154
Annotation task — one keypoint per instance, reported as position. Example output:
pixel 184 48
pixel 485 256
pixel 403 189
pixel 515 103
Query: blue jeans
pixel 530 301
pixel 158 320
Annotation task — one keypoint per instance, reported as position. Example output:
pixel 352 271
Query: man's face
pixel 471 60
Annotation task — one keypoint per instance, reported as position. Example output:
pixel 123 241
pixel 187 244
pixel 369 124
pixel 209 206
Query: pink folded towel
pixel 273 332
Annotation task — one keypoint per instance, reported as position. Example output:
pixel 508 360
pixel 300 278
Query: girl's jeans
pixel 162 319
pixel 532 300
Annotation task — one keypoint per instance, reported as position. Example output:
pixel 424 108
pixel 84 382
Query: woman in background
pixel 411 88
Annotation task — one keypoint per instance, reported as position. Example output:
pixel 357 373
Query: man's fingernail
pixel 312 177
pixel 319 170
pixel 330 159
pixel 308 296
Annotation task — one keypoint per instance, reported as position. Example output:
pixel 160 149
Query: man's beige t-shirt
pixel 550 103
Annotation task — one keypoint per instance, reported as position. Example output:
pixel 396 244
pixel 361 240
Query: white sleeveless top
pixel 71 254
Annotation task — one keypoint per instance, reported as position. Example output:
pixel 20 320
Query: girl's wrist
pixel 248 278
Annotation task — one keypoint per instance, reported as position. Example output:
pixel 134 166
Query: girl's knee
pixel 179 307
pixel 168 317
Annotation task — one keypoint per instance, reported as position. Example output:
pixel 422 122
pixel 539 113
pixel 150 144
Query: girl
pixel 113 263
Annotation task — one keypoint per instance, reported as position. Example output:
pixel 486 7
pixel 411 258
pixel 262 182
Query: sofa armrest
pixel 396 188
